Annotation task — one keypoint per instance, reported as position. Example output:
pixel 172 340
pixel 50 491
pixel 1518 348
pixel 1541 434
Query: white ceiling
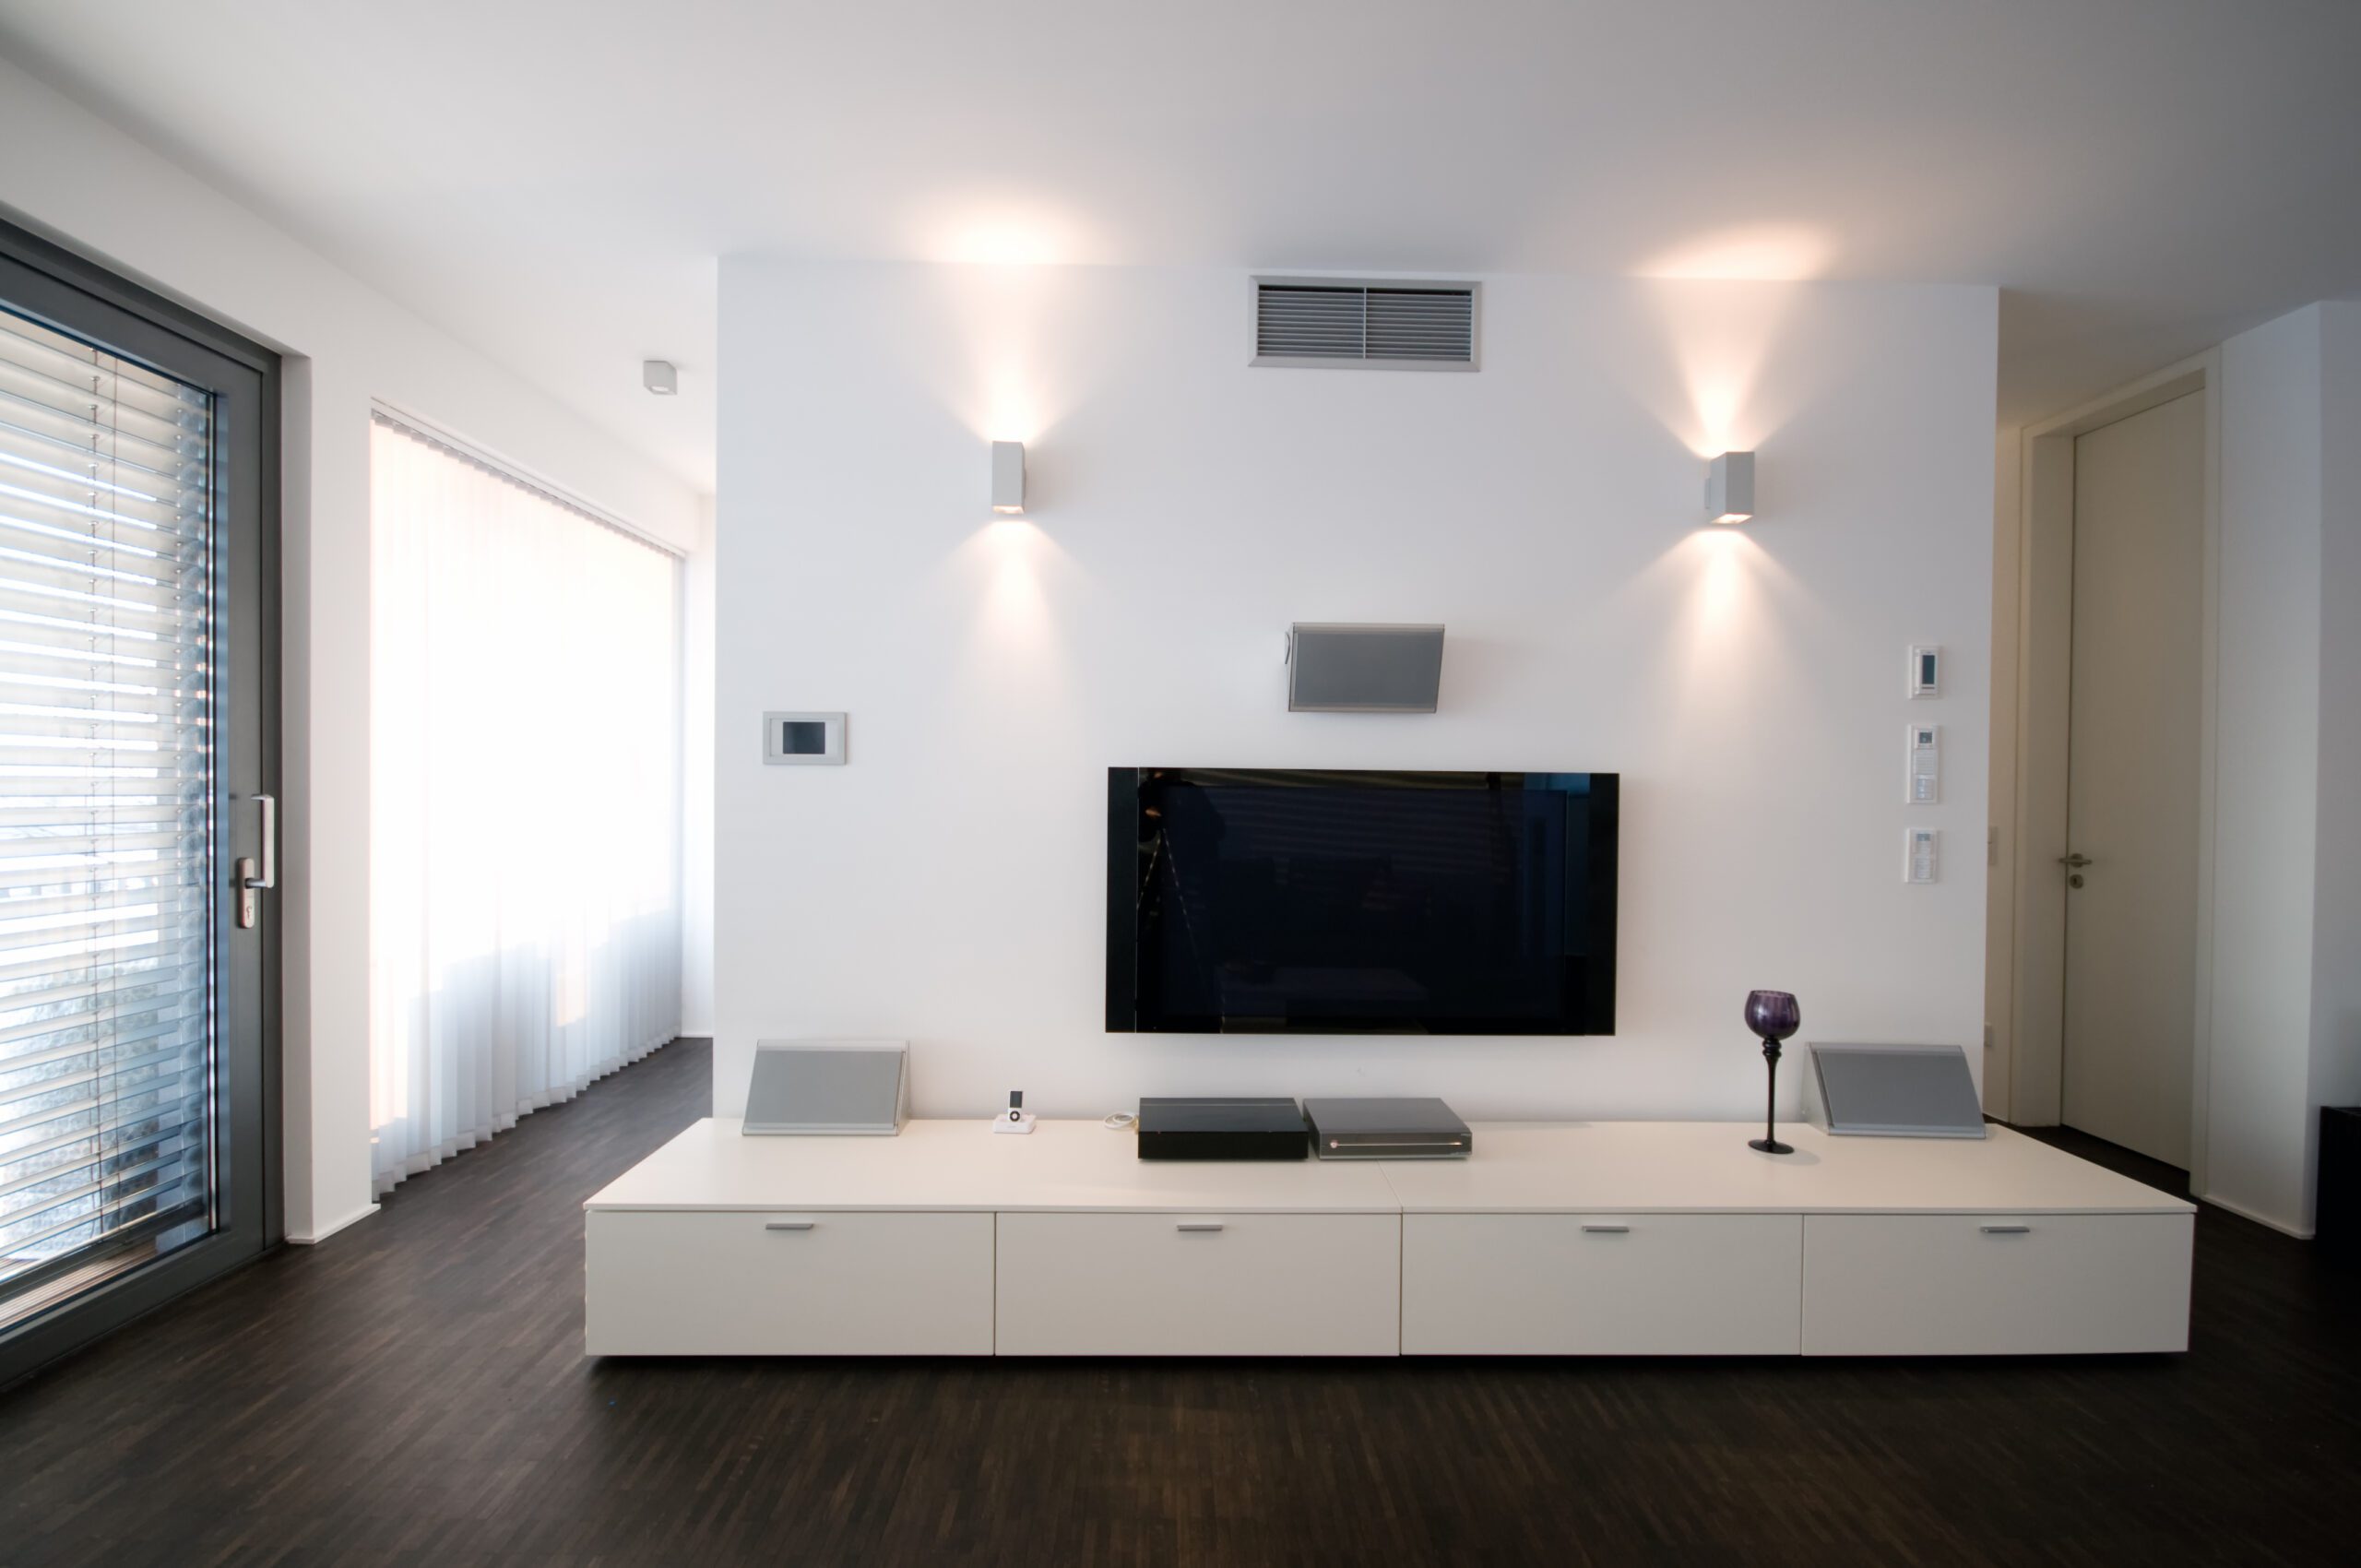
pixel 553 179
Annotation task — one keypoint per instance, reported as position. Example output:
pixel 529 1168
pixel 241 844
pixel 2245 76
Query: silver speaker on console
pixel 829 1086
pixel 1892 1091
pixel 1363 668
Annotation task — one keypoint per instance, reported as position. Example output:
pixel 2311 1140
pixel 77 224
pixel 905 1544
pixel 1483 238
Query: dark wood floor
pixel 414 1393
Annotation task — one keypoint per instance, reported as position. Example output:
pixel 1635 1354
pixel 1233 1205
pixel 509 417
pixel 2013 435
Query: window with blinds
pixel 106 1037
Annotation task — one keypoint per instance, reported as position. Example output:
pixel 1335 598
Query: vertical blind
pixel 105 804
pixel 525 808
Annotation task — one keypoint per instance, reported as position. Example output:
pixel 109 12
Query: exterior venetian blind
pixel 106 1033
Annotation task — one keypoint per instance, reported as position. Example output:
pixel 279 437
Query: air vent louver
pixel 1389 325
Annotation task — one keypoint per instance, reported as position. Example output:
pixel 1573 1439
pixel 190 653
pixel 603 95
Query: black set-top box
pixel 1223 1129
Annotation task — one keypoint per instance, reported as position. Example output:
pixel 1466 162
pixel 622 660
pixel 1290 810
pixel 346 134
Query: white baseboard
pixel 2244 1213
pixel 321 1233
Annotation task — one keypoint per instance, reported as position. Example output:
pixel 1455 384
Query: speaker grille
pixel 1364 669
pixel 1912 1091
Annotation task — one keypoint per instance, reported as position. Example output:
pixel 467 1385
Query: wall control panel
pixel 1926 671
pixel 805 738
pixel 1920 864
pixel 1922 783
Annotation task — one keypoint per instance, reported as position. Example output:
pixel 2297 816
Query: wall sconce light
pixel 1008 478
pixel 659 378
pixel 1730 487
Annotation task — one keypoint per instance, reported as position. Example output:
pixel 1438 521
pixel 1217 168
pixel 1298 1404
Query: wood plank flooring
pixel 412 1393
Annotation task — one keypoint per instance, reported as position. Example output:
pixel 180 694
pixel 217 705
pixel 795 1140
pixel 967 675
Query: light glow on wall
pixel 982 349
pixel 1007 582
pixel 1721 337
pixel 1728 616
pixel 1760 253
pixel 1013 233
pixel 1010 409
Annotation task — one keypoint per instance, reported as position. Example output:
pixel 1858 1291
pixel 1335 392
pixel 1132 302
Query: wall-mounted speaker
pixel 1363 668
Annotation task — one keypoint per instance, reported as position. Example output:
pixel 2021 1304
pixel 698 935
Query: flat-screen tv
pixel 1255 900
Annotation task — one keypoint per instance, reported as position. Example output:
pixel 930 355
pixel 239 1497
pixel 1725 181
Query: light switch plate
pixel 1920 864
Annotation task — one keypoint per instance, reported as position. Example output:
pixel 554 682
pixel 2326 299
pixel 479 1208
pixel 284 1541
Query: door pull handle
pixel 253 878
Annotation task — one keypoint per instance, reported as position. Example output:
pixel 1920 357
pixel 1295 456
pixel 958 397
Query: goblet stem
pixel 1769 1142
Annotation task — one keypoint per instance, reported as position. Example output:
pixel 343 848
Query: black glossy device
pixel 1223 1129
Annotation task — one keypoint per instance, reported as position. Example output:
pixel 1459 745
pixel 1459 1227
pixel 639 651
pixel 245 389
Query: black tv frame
pixel 1125 847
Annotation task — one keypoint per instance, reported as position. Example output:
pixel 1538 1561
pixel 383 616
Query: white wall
pixel 2287 1021
pixel 2266 775
pixel 947 885
pixel 68 173
pixel 2336 908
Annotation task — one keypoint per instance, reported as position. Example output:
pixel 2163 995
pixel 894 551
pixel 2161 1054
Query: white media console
pixel 1611 1238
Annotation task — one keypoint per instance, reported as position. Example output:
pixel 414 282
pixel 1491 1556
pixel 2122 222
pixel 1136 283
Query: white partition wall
pixel 947 885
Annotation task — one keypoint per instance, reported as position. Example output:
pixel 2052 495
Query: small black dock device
pixel 1223 1129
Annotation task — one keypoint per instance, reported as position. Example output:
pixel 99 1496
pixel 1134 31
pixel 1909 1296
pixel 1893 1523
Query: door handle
pixel 254 879
pixel 1198 1226
pixel 1607 1230
pixel 2004 1230
pixel 2075 861
pixel 791 1224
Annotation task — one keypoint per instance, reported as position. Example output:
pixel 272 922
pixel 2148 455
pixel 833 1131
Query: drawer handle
pixel 1607 1230
pixel 1198 1226
pixel 2004 1230
pixel 790 1225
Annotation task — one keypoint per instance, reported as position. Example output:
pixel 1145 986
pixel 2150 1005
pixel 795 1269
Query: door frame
pixel 2033 951
pixel 46 279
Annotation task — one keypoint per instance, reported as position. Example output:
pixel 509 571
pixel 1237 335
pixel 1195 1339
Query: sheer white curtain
pixel 525 822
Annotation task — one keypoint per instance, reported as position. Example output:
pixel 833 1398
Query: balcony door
pixel 139 694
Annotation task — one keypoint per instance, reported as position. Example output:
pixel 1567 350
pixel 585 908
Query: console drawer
pixel 1200 1284
pixel 1995 1285
pixel 697 1283
pixel 1600 1284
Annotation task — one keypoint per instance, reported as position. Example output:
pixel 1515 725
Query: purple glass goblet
pixel 1772 1015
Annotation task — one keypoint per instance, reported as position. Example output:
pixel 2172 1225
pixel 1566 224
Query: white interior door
pixel 2132 790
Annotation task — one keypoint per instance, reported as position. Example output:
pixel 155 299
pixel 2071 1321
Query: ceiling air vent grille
pixel 1385 326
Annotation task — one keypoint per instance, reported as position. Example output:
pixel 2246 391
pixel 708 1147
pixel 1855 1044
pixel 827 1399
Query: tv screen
pixel 1270 901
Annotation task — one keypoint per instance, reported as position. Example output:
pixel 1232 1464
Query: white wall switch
pixel 1922 783
pixel 1926 671
pixel 1918 862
